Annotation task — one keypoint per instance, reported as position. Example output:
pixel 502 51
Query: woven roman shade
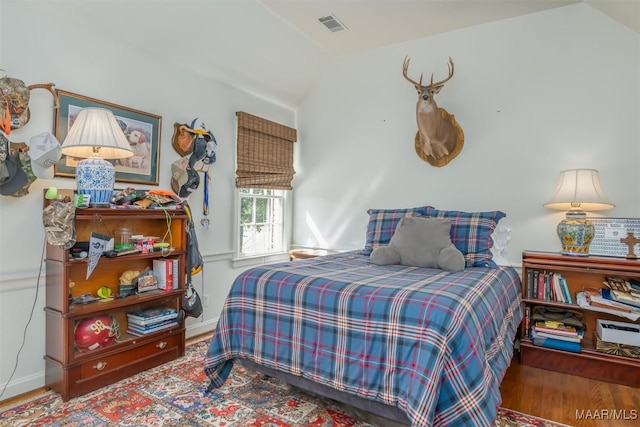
pixel 264 153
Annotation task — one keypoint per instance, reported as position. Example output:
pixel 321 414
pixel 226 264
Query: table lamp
pixel 95 135
pixel 578 189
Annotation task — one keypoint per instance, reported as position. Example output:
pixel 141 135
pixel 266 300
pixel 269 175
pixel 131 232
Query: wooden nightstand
pixel 579 273
pixel 304 253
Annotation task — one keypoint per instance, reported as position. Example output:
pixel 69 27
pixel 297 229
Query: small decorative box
pixel 617 349
pixel 619 332
pixel 147 283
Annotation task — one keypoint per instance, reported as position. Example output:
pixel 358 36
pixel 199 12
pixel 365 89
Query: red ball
pixel 95 332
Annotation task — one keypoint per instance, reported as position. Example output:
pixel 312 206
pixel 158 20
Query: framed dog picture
pixel 141 129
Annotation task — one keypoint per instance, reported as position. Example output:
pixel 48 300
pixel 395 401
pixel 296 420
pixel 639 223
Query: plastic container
pixel 123 238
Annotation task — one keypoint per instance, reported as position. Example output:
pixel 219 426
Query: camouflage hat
pixel 59 224
pixel 14 98
pixel 25 162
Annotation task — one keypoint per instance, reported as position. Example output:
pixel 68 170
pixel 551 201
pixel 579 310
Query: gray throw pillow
pixel 421 242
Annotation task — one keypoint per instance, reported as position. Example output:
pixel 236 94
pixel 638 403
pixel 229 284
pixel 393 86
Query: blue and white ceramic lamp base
pixel 95 177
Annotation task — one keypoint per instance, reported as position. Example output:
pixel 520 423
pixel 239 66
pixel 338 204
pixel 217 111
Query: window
pixel 264 171
pixel 261 221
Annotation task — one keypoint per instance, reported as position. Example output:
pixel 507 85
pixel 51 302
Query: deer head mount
pixel 439 138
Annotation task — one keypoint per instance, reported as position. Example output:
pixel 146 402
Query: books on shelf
pixel 152 316
pixel 617 283
pixel 165 270
pixel 557 328
pixel 565 290
pixel 577 338
pixel 625 298
pixel 556 344
pixel 151 320
pixel 547 286
pixel 597 302
pixel 144 330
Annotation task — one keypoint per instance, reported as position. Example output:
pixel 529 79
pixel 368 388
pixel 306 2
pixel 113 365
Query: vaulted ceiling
pixel 277 48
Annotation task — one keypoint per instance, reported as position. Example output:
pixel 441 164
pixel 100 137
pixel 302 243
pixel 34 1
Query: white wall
pixel 42 49
pixel 534 95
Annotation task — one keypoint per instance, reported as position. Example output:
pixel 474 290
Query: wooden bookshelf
pixel 579 273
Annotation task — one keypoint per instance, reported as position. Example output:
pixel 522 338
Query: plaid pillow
pixel 471 234
pixel 383 222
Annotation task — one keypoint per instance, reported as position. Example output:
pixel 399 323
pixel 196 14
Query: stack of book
pixel 151 320
pixel 623 291
pixel 557 335
pixel 618 296
pixel 547 286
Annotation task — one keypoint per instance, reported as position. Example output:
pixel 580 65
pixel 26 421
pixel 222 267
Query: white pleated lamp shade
pixel 578 190
pixel 95 135
pixel 96 129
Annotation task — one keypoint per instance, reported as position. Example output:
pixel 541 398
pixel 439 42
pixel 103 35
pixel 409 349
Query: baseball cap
pixel 184 179
pixel 199 151
pixel 179 173
pixel 12 176
pixel 210 151
pixel 45 151
pixel 192 184
pixel 15 99
pixel 197 126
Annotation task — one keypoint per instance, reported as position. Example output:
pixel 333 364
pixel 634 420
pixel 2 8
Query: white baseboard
pixel 36 381
pixel 201 328
pixel 22 385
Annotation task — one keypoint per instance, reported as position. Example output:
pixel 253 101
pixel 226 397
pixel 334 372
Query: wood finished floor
pixel 569 399
pixel 551 395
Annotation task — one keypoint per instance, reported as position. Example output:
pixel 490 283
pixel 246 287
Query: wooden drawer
pixel 134 356
pixel 102 371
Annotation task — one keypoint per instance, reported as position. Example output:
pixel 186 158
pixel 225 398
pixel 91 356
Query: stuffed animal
pixel 128 277
pixel 421 242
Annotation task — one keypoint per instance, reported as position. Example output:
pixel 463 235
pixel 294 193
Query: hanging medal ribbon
pixel 205 201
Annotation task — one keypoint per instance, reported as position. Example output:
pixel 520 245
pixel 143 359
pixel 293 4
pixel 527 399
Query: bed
pixel 419 346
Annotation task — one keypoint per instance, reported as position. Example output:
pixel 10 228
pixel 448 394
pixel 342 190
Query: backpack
pixel 191 303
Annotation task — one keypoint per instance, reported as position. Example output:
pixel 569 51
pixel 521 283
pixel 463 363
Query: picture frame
pixel 608 232
pixel 142 129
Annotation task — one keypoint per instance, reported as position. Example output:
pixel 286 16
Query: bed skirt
pixel 391 416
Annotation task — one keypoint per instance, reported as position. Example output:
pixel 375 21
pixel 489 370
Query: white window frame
pixel 266 256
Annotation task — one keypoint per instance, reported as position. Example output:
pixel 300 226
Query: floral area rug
pixel 174 395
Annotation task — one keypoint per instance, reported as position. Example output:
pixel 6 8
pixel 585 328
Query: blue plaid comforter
pixel 432 343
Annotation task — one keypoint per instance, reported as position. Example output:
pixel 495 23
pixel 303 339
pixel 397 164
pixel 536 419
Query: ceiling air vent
pixel 332 23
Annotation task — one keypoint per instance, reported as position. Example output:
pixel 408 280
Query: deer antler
pixel 405 69
pixel 49 87
pixel 450 64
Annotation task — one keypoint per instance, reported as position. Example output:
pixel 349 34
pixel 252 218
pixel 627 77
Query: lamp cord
pixel 24 334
